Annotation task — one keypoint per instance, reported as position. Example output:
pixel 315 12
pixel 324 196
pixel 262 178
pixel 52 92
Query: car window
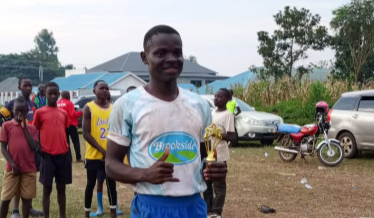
pixel 345 103
pixel 366 104
pixel 243 106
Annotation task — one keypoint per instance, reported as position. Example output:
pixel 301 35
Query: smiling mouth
pixel 170 70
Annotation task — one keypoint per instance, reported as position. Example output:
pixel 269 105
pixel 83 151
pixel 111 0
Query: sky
pixel 221 34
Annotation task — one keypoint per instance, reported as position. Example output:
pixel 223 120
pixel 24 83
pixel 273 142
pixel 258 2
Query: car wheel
pixel 266 142
pixel 348 142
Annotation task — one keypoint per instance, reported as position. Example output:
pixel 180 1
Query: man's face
pixel 20 111
pixel 42 90
pixel 220 99
pixel 101 90
pixel 164 57
pixel 26 87
pixel 53 93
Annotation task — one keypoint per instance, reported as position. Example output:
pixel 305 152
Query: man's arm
pixel 160 172
pixel 72 112
pixel 229 136
pixel 87 131
pixel 30 139
pixel 238 111
pixel 8 158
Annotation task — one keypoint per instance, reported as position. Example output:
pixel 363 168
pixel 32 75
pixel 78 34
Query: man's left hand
pixel 215 171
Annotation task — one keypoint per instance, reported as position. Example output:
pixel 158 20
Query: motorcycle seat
pixel 289 128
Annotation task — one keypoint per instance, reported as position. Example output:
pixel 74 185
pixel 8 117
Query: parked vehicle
pixel 295 140
pixel 252 125
pixel 80 102
pixel 351 120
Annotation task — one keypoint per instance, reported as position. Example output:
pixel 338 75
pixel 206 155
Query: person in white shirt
pixel 160 127
pixel 224 119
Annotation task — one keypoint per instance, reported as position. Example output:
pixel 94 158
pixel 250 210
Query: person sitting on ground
pixel 71 132
pixel 18 143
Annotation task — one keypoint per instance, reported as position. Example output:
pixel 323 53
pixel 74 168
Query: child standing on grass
pixel 56 160
pixel 222 118
pixel 18 143
pixel 95 130
pixel 6 113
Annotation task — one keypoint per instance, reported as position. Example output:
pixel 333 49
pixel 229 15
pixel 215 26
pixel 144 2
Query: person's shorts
pixel 56 166
pixel 23 184
pixel 98 166
pixel 147 206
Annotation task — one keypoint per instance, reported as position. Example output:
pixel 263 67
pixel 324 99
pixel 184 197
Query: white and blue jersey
pixel 148 125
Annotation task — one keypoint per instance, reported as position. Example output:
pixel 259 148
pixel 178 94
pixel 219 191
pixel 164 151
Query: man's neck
pixel 102 102
pixel 26 98
pixel 164 91
pixel 220 109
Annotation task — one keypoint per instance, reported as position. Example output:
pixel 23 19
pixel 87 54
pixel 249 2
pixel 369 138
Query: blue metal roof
pixel 74 82
pixel 188 86
pixel 108 78
pixel 242 78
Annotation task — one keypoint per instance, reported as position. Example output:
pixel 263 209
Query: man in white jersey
pixel 160 127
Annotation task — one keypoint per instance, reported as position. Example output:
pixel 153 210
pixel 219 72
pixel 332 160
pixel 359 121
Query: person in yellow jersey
pixel 95 130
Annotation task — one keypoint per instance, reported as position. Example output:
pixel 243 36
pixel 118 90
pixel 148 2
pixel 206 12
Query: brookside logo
pixel 182 146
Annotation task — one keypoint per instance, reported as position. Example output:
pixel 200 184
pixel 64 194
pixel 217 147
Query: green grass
pixel 254 180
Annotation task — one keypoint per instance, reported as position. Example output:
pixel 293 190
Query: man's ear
pixel 143 56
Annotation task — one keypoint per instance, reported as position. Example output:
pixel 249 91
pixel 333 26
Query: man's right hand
pixel 15 169
pixel 160 172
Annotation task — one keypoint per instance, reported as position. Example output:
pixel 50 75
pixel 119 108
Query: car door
pixel 364 121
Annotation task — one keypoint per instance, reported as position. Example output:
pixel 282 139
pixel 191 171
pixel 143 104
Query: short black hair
pixel 51 84
pixel 97 82
pixel 231 91
pixel 21 100
pixel 130 88
pixel 157 30
pixel 21 79
pixel 226 92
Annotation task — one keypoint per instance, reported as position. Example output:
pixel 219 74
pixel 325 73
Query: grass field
pixel 254 180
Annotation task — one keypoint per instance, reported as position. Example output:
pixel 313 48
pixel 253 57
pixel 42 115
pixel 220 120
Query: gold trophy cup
pixel 212 138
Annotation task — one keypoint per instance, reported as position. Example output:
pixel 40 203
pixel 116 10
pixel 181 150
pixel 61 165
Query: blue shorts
pixel 148 206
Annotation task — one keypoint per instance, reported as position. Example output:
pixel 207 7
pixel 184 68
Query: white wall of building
pixel 128 81
pixel 75 72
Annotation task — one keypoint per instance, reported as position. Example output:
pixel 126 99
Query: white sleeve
pixel 120 124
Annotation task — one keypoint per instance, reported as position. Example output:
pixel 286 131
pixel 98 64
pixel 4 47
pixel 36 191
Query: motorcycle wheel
pixel 287 157
pixel 331 158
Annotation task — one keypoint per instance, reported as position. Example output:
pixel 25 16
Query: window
pixel 208 82
pixel 197 83
pixel 366 104
pixel 345 103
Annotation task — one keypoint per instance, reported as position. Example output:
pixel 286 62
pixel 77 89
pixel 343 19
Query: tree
pixel 299 31
pixel 354 40
pixel 192 59
pixel 27 64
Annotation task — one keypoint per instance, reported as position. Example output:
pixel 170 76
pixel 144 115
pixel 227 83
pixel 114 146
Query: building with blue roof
pixel 242 79
pixel 82 84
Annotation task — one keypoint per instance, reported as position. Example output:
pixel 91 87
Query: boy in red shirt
pixel 65 104
pixel 56 160
pixel 18 143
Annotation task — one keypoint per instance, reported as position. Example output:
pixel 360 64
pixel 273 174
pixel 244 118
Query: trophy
pixel 212 138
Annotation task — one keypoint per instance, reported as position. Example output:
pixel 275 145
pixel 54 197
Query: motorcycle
pixel 294 140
